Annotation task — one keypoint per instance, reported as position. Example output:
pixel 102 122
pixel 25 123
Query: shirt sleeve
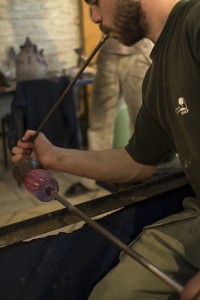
pixel 193 31
pixel 150 144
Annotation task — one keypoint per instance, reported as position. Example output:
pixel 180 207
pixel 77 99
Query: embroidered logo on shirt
pixel 182 107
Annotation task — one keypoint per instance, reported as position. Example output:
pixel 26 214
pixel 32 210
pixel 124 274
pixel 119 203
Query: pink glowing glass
pixel 39 183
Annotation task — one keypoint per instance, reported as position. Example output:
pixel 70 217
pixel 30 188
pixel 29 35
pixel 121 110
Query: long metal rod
pixel 33 227
pixel 69 87
pixel 148 265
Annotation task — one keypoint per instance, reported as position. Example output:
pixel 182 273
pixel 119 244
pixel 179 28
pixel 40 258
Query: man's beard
pixel 130 22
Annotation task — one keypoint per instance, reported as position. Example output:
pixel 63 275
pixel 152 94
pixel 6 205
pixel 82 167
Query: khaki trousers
pixel 172 244
pixel 118 76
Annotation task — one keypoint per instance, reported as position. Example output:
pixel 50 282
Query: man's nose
pixel 96 15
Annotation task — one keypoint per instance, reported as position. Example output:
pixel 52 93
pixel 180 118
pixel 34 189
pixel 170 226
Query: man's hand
pixel 192 289
pixel 39 149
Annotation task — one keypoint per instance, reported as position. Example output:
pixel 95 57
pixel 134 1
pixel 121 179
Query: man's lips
pixel 104 30
pixel 109 33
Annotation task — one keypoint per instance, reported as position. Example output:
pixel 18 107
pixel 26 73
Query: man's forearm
pixel 113 165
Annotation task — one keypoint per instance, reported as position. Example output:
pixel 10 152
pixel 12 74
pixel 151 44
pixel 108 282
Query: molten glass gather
pixel 40 183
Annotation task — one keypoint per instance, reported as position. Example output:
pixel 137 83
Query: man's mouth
pixel 109 34
pixel 104 29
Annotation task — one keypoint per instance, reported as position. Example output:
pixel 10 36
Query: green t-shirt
pixel 169 120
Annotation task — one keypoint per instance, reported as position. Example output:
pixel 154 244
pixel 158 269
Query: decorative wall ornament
pixel 30 62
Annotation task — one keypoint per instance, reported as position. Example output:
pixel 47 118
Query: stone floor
pixel 17 204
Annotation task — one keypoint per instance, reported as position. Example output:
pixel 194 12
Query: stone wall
pixel 54 26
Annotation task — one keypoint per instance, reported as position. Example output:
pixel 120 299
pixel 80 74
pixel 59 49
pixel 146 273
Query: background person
pixel 120 72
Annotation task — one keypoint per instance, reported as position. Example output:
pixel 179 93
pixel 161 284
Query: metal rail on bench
pixel 36 226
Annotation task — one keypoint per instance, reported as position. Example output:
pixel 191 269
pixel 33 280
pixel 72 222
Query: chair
pixel 31 103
